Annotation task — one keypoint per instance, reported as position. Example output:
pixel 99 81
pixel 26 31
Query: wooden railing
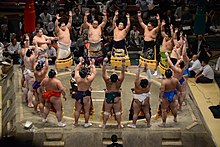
pixel 7 105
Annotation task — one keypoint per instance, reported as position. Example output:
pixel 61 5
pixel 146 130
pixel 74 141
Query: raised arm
pixel 122 75
pixel 93 70
pixel 163 34
pixel 140 20
pixel 174 68
pixel 78 67
pixel 128 23
pixel 138 73
pixel 57 29
pixel 104 21
pixel 114 19
pixel 70 20
pixel 86 18
pixel 158 23
pixel 104 72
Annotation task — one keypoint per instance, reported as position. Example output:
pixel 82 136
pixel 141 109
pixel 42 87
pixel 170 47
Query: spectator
pixel 196 65
pixel 114 139
pixel 46 17
pixel 205 73
pixel 93 15
pixel 134 36
pixel 1 51
pixel 4 35
pixel 169 19
pixel 186 21
pixel 197 45
pixel 14 50
pixel 52 6
pixel 205 53
pixel 51 53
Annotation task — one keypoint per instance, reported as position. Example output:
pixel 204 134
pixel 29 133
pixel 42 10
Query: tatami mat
pixel 207 95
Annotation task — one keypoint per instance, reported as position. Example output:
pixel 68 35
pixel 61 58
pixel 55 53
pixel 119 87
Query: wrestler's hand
pixel 92 62
pixel 158 17
pixel 171 26
pixel 138 13
pixel 176 30
pixel 87 13
pixel 163 22
pixel 105 60
pixel 167 55
pixel 104 13
pixel 128 15
pixel 70 13
pixel 81 60
pixel 181 33
pixel 116 13
pixel 64 98
pixel 58 17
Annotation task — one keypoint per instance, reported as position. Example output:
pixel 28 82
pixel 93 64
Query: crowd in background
pixel 180 13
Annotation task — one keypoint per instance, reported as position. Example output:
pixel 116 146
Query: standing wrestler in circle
pixel 64 42
pixel 141 96
pixel 150 34
pixel 53 89
pixel 29 60
pixel 40 72
pixel 94 37
pixel 120 33
pixel 83 94
pixel 112 93
pixel 169 96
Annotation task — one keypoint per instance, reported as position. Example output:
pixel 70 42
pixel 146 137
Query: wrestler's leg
pixel 41 102
pixel 146 110
pixel 86 106
pixel 173 107
pixel 117 109
pixel 57 104
pixel 30 92
pixel 107 111
pixel 137 109
pixel 46 111
pixel 164 107
pixel 78 106
pixel 36 101
pixel 180 98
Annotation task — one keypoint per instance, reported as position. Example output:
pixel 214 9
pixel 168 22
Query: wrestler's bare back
pixel 52 84
pixel 94 34
pixel 167 46
pixel 113 87
pixel 29 62
pixel 40 75
pixel 83 84
pixel 170 84
pixel 64 36
pixel 119 34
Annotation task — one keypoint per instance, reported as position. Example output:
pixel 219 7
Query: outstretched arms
pixel 128 23
pixel 104 21
pixel 140 20
pixel 122 75
pixel 70 20
pixel 114 19
pixel 104 72
pixel 86 17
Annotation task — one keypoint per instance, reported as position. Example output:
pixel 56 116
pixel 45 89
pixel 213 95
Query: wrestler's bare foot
pixel 86 125
pixel 44 120
pixel 132 126
pixel 30 105
pixel 76 124
pixel 120 126
pixel 148 125
pixel 174 119
pixel 162 125
pixel 60 124
pixel 102 126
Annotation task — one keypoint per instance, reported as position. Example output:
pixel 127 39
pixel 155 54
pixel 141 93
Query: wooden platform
pixel 206 95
